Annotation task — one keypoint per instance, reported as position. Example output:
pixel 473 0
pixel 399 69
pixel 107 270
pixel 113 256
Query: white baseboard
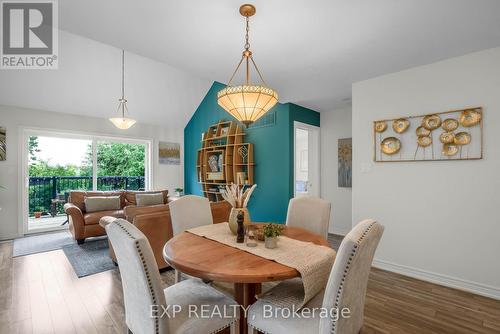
pixel 452 282
pixel 7 237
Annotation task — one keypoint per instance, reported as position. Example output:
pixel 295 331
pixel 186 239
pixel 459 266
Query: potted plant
pixel 271 234
pixel 179 192
pixel 238 197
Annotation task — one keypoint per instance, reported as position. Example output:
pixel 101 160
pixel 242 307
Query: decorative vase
pixel 271 242
pixel 233 219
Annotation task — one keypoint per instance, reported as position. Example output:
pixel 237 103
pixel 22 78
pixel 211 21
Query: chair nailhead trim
pixel 257 328
pixel 148 276
pixel 346 271
pixel 221 328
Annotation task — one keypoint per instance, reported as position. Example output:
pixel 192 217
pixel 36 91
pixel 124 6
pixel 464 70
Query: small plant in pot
pixel 271 234
pixel 238 197
pixel 179 192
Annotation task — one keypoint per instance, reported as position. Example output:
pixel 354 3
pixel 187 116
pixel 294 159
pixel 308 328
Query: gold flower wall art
pixel 449 135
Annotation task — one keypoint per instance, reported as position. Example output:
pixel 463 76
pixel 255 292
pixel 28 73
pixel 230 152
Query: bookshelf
pixel 224 158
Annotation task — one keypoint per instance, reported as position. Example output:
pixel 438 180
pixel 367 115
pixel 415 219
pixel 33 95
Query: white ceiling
pixel 310 51
pixel 88 82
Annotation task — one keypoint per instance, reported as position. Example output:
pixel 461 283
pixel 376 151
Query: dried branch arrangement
pixel 235 195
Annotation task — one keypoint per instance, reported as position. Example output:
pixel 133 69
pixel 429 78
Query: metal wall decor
pixel 449 135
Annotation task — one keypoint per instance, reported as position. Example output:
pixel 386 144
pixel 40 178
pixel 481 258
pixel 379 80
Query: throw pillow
pixel 149 199
pixel 107 203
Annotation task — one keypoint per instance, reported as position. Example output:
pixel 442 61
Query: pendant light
pixel 123 122
pixel 247 102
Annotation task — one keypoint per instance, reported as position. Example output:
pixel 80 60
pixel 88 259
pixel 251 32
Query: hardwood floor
pixel 40 293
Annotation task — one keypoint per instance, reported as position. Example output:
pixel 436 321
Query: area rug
pixel 90 258
pixel 41 243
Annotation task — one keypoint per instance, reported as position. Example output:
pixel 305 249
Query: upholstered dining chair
pixel 188 212
pixel 145 299
pixel 310 213
pixel 346 289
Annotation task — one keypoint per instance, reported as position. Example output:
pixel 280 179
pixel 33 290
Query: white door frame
pixel 26 132
pixel 317 130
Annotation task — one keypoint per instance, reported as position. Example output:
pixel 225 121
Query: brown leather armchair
pixel 156 224
pixel 84 224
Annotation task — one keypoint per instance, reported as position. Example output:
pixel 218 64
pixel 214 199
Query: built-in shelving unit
pixel 224 158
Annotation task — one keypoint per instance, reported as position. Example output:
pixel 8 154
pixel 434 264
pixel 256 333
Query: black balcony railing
pixel 44 190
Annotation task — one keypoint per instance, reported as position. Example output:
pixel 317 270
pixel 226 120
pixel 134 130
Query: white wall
pixel 442 218
pixel 335 124
pixel 14 119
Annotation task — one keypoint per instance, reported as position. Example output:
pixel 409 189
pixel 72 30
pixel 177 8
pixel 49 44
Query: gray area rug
pixel 41 243
pixel 90 258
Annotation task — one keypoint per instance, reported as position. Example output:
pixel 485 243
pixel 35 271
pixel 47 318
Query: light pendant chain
pixel 247 43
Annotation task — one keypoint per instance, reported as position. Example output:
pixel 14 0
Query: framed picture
pixel 3 144
pixel 224 131
pixel 345 163
pixel 169 153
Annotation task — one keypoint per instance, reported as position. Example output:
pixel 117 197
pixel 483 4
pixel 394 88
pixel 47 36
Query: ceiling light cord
pixel 122 102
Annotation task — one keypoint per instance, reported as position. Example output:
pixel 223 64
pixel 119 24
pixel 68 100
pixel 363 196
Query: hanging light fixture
pixel 123 122
pixel 247 102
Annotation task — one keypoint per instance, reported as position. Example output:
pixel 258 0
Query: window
pixel 59 163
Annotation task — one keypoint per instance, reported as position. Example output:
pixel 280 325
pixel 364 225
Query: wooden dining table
pixel 211 260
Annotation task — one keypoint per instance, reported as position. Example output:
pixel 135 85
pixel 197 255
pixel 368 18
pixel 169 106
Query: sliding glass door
pixel 120 165
pixel 59 163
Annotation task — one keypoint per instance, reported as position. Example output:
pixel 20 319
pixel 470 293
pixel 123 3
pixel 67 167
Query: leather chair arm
pixel 77 223
pixel 157 227
pixel 220 211
pixel 132 211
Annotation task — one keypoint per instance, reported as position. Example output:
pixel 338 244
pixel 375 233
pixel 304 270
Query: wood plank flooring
pixel 40 293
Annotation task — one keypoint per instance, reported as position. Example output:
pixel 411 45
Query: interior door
pixel 306 160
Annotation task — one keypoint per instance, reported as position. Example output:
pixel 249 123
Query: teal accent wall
pixel 273 153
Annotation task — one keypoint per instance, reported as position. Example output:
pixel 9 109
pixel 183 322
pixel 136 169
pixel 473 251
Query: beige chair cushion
pixel 149 199
pixel 130 198
pixel 94 217
pixel 104 203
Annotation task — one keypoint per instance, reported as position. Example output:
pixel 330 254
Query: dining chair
pixel 145 299
pixel 310 213
pixel 345 290
pixel 188 212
